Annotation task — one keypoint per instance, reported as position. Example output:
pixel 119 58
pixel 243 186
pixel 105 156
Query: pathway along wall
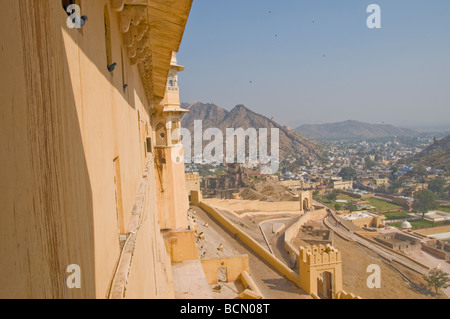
pixel 251 243
pixel 257 248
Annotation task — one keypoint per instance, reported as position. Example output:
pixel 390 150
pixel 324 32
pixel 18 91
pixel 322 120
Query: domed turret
pixel 406 225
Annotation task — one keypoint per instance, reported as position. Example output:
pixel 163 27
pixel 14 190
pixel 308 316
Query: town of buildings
pixel 368 209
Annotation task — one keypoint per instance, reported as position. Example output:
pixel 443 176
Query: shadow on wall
pixel 101 22
pixel 47 219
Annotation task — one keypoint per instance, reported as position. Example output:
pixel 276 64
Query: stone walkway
pixel 272 284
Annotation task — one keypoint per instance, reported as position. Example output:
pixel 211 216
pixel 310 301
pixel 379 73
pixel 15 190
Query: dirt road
pixel 382 252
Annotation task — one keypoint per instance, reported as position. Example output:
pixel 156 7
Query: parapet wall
pixel 437 252
pixel 140 274
pixel 292 231
pixel 345 295
pixel 355 195
pixel 181 246
pixel 234 267
pixel 251 243
pixel 315 256
pixel 249 284
pixel 255 206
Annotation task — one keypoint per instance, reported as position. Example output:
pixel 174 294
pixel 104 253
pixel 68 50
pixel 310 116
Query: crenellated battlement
pixel 320 269
pixel 317 255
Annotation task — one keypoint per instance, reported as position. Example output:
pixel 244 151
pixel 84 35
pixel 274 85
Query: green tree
pixel 300 161
pixel 437 279
pixel 337 206
pixel 447 192
pixel 396 185
pixel 212 184
pixel 332 196
pixel 347 173
pixel 424 201
pixel 419 169
pixel 394 169
pixel 369 163
pixel 437 185
pixel 351 207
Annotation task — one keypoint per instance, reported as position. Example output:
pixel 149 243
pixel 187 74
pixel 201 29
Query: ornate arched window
pixel 176 136
pixel 161 135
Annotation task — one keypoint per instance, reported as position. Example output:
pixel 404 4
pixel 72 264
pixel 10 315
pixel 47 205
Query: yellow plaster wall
pixel 251 243
pixel 245 205
pixel 150 274
pixel 64 119
pixel 181 245
pixel 345 295
pixel 192 183
pixel 314 260
pixel 173 202
pixel 362 222
pixel 292 231
pixel 196 198
pixel 234 265
pixel 369 221
pixel 249 283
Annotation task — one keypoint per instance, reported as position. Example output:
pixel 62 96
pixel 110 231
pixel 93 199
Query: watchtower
pixel 173 201
pixel 306 199
pixel 320 270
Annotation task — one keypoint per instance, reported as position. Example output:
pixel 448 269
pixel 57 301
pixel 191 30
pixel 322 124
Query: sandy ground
pixel 431 261
pixel 356 259
pixel 423 256
pixel 272 284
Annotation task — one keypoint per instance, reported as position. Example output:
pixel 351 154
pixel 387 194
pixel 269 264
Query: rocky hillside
pixel 291 142
pixel 352 130
pixel 437 155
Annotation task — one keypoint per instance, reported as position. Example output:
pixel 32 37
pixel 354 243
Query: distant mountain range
pixel 214 116
pixel 437 155
pixel 352 130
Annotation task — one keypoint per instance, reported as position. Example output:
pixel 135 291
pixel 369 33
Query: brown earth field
pixel 356 259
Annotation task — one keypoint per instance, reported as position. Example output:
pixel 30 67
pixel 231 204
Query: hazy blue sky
pixel 317 61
